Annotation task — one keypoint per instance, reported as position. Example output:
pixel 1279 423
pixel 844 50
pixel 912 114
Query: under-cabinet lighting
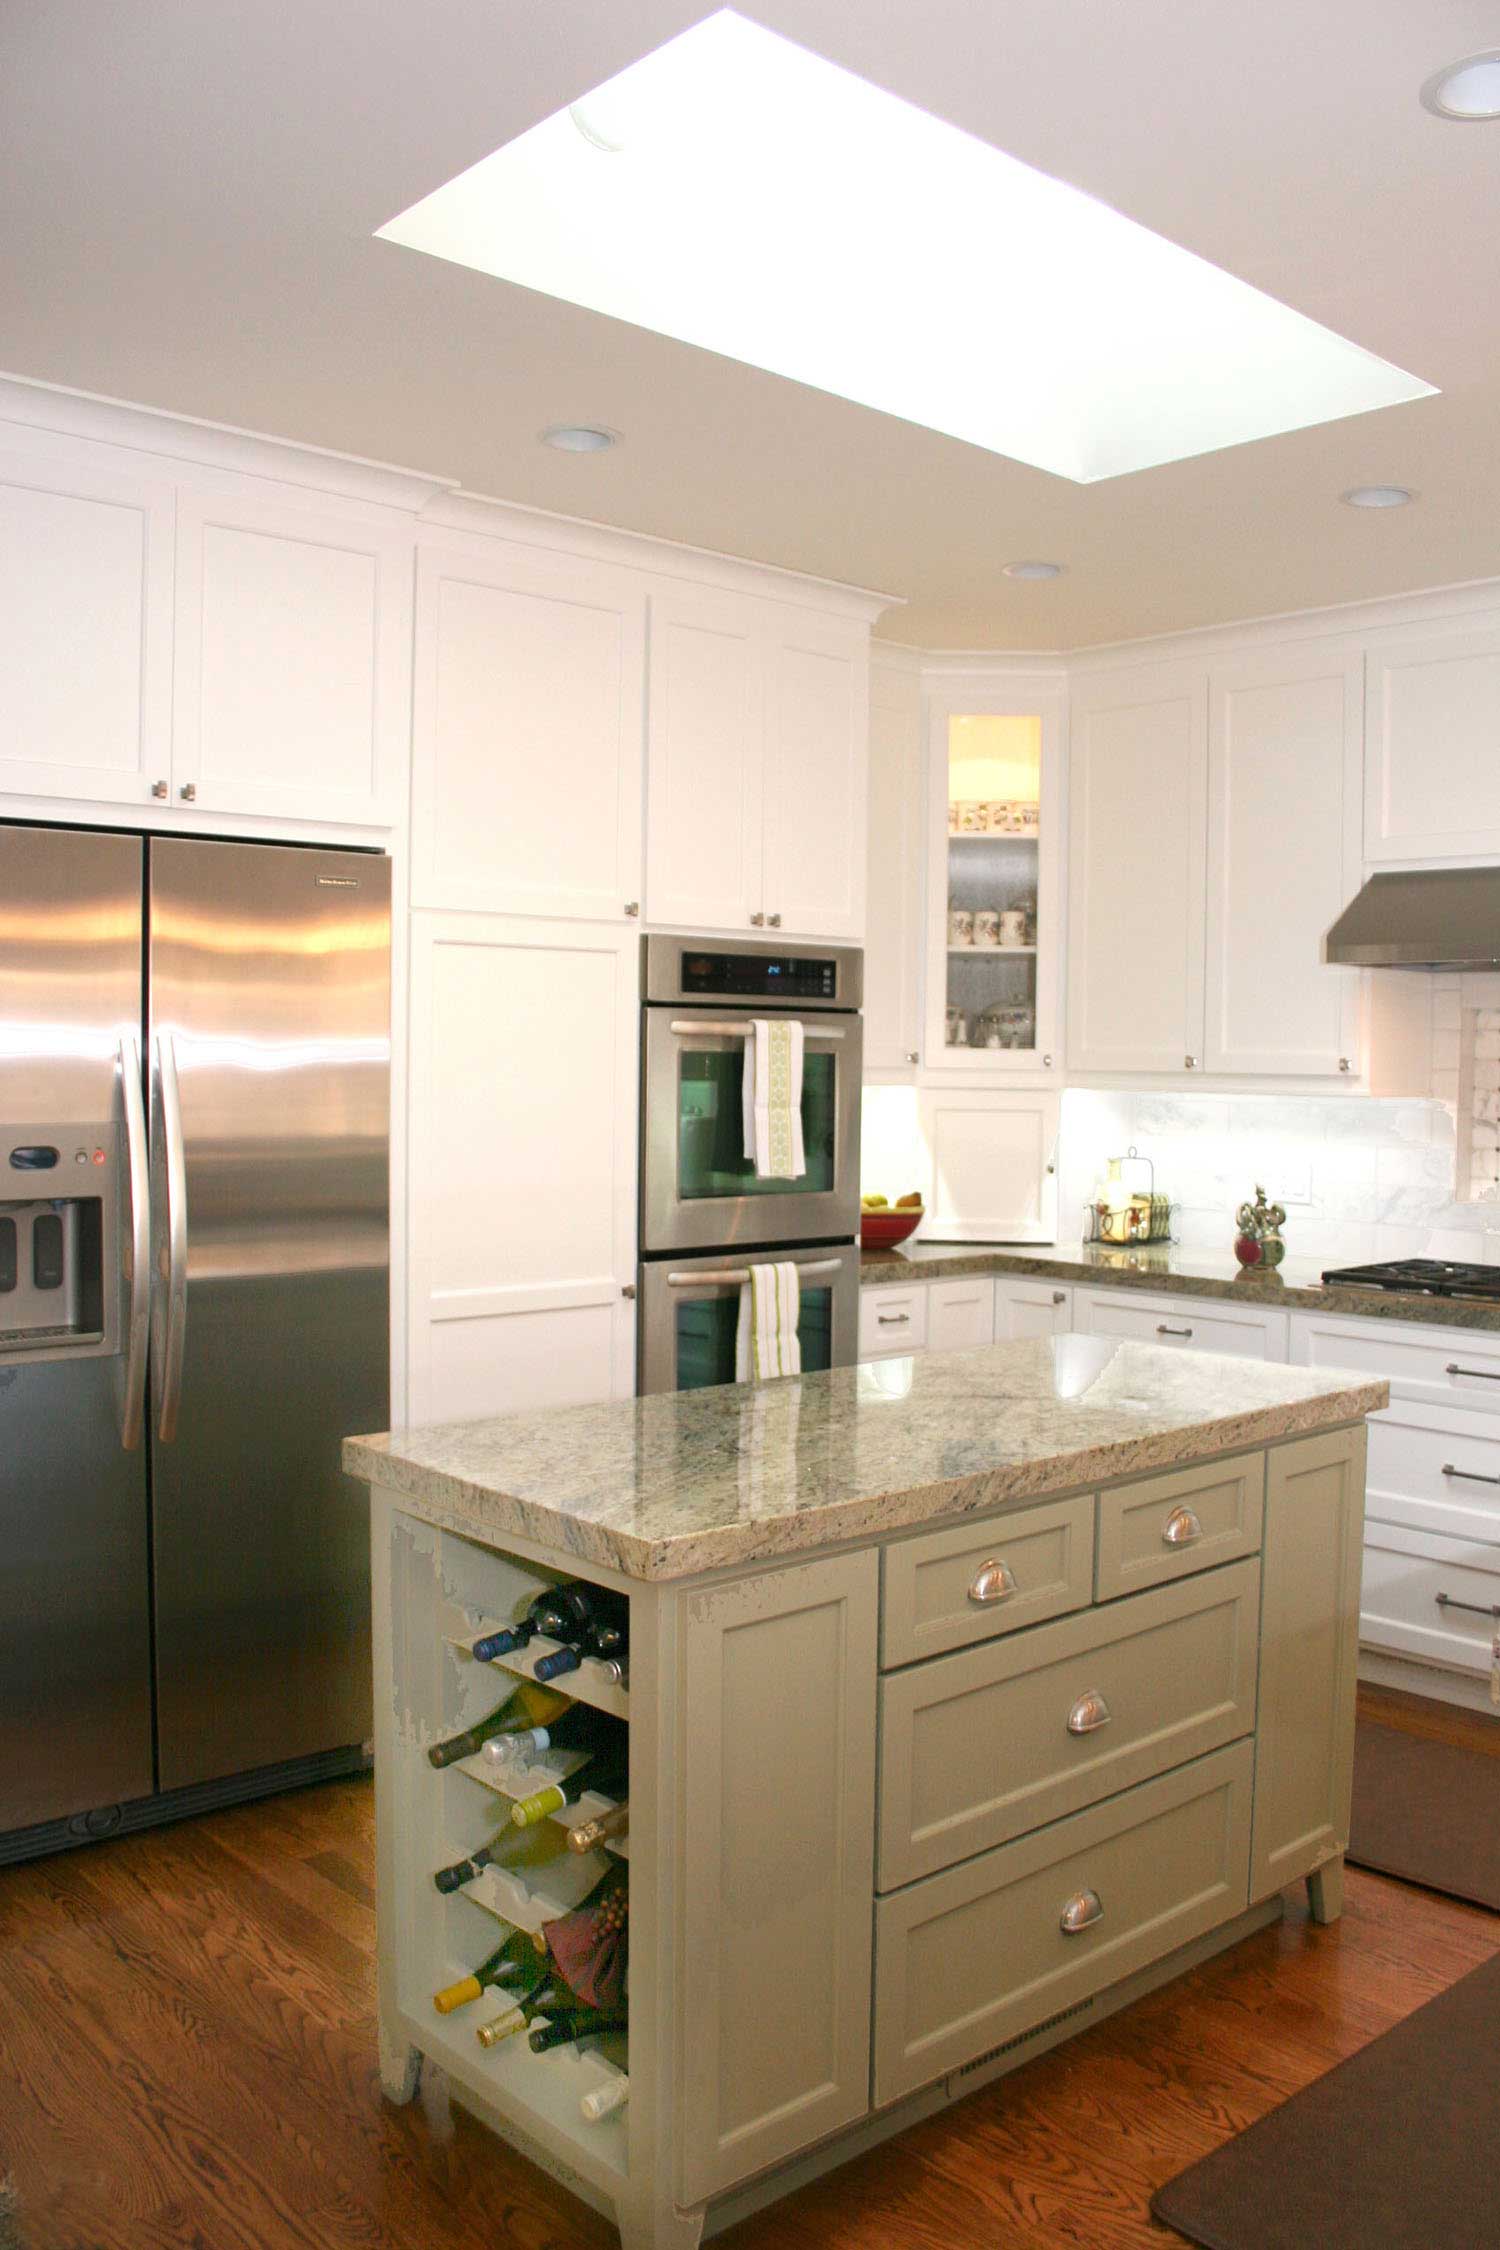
pixel 738 193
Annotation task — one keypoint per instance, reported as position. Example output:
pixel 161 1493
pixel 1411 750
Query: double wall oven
pixel 704 1214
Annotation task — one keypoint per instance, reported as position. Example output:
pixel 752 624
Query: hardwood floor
pixel 186 2028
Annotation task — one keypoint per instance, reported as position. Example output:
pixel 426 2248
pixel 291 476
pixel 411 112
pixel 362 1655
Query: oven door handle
pixel 735 1277
pixel 741 1030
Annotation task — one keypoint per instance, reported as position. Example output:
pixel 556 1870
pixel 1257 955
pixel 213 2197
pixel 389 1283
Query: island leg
pixel 1325 1891
pixel 400 2067
pixel 659 2226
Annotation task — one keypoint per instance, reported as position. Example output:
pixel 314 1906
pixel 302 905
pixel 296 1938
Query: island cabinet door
pixel 1315 1494
pixel 778 1829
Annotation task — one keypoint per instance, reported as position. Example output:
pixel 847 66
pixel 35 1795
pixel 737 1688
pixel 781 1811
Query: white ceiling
pixel 188 195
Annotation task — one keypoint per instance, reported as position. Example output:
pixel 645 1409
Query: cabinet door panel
pixel 705 760
pixel 85 631
pixel 1032 1308
pixel 1304 1751
pixel 1283 860
pixel 528 734
pixel 778 1687
pixel 293 661
pixel 1432 773
pixel 960 1314
pixel 993 1165
pixel 522 1164
pixel 817 762
pixel 1136 846
pixel 893 931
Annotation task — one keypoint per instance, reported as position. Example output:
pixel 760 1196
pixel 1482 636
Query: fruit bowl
pixel 882 1230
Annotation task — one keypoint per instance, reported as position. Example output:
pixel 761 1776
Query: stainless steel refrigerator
pixel 194 1282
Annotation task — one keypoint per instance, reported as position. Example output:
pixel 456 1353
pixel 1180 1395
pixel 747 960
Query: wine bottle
pixel 526 1706
pixel 609 1781
pixel 465 1870
pixel 603 1825
pixel 508 1964
pixel 544 1613
pixel 603 2101
pixel 577 1728
pixel 561 2030
pixel 545 1999
pixel 598 1624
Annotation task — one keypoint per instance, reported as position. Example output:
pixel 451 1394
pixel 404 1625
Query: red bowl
pixel 882 1230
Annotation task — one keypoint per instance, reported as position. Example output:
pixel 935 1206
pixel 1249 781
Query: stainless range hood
pixel 1445 919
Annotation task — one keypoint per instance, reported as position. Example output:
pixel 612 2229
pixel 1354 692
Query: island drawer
pixel 984 1953
pixel 1161 1528
pixel 951 1588
pixel 982 1746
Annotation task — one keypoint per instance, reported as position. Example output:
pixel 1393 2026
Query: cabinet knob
pixel 912 1055
pixel 633 909
pixel 160 789
pixel 1089 1714
pixel 1082 1911
pixel 1189 1062
pixel 774 920
pixel 1181 1528
pixel 1344 1063
pixel 627 1289
pixel 757 921
pixel 1046 1062
pixel 189 792
pixel 1059 1296
pixel 993 1583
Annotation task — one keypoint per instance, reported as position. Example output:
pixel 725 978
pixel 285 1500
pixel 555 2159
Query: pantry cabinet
pixel 1214 837
pixel 522 1164
pixel 758 752
pixel 1432 743
pixel 86 568
pixel 528 733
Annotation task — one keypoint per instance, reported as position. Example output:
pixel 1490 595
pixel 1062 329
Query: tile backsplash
pixel 1360 1178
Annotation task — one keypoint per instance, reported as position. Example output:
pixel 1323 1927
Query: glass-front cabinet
pixel 992 884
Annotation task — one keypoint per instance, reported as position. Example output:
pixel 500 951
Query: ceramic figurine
pixel 1258 1242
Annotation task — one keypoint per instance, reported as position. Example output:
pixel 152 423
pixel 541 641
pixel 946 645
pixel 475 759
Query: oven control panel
pixel 758 976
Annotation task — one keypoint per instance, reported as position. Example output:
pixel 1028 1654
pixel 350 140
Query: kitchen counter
pixel 669 1486
pixel 1296 1285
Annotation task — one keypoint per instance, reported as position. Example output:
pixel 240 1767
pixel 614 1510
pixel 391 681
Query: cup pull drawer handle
pixel 1082 1911
pixel 1470 1476
pixel 1181 1528
pixel 1089 1713
pixel 994 1582
pixel 1480 1374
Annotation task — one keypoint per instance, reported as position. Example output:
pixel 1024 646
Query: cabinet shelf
pixel 532 1893
pixel 991 952
pixel 524 1781
pixel 546 2088
pixel 590 1683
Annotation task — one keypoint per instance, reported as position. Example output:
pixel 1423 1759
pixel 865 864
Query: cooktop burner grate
pixel 1424 1277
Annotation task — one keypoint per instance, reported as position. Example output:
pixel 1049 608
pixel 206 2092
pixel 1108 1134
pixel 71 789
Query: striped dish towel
pixel 766 1342
pixel 773 1098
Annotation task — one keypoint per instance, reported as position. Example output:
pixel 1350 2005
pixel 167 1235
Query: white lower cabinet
pixel 1431 1598
pixel 960 1313
pixel 891 1321
pixel 1431 1366
pixel 522 1164
pixel 1031 1308
pixel 1184 1323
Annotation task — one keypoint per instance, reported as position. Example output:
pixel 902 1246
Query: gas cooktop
pixel 1422 1277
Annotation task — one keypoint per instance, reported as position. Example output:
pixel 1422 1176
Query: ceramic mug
pixel 957 1028
pixel 1013 926
pixel 987 925
pixel 960 926
pixel 973 819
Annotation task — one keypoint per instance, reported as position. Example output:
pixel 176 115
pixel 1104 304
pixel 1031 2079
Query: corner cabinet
pixel 1214 836
pixel 994 919
pixel 757 763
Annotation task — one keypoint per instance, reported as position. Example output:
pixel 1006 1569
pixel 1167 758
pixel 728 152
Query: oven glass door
pixel 689 1326
pixel 700 1186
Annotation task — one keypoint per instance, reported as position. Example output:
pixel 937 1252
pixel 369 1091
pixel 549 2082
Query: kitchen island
pixel 968 1698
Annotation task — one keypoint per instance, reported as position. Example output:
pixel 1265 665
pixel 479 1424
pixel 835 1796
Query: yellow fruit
pixel 909 1202
pixel 873 1202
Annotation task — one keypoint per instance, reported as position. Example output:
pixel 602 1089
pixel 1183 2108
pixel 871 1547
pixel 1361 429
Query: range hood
pixel 1446 919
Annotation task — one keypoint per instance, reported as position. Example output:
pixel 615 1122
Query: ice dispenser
pixel 59 1242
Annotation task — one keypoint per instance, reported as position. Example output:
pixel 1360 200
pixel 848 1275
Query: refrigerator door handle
pixel 172 1257
pixel 136 1247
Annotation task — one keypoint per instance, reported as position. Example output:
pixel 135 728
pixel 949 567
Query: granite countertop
pixel 683 1482
pixel 1296 1285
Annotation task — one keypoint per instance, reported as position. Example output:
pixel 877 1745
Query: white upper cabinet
pixel 1432 744
pixel 758 749
pixel 1284 765
pixel 528 733
pixel 816 764
pixel 994 1164
pixel 893 937
pixel 292 676
pixel 705 778
pixel 1138 755
pixel 85 630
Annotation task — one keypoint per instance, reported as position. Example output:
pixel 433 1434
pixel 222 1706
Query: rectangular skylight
pixel 741 194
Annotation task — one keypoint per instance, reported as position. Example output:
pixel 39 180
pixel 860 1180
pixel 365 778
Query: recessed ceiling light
pixel 1033 570
pixel 1467 92
pixel 580 437
pixel 1377 496
pixel 1094 347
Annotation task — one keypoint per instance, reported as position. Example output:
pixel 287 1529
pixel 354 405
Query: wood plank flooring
pixel 187 2062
